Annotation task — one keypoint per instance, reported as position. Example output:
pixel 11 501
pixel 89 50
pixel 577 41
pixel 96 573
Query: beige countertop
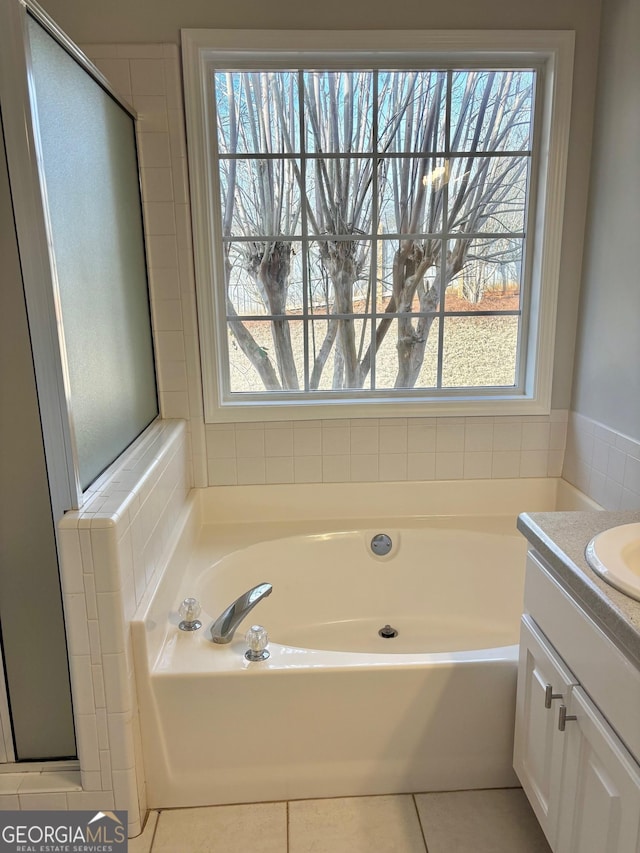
pixel 561 538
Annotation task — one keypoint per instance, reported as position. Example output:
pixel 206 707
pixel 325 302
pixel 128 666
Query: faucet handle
pixel 190 610
pixel 257 639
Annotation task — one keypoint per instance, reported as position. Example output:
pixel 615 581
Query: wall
pixel 603 454
pixel 284 452
pixel 145 21
pixel 607 374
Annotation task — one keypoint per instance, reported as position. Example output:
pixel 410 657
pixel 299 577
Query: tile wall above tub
pixel 602 463
pixel 388 449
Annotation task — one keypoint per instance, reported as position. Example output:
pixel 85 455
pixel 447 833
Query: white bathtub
pixel 336 710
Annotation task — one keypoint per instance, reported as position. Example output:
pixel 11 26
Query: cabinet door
pixel 600 786
pixel 538 745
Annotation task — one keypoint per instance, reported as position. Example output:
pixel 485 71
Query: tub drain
pixel 387 633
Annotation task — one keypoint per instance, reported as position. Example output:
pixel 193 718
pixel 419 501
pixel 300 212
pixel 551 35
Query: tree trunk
pixel 255 353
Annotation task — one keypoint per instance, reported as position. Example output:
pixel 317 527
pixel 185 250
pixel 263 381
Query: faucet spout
pixel 225 625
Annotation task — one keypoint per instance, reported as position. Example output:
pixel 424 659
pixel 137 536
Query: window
pixel 373 229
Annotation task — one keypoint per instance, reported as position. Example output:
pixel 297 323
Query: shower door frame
pixel 33 228
pixel 7 753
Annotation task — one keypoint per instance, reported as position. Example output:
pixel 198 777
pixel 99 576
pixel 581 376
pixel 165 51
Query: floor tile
pixel 142 843
pixel 355 825
pixel 499 821
pixel 259 828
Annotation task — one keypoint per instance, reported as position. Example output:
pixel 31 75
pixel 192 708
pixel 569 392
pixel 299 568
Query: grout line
pixel 155 830
pixel 424 838
pixel 288 828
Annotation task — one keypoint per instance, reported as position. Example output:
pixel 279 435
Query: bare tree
pixel 349 194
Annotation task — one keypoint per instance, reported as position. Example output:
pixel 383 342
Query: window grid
pixel 305 238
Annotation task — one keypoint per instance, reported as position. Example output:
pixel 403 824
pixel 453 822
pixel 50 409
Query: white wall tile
pixel 162 250
pixel 505 464
pixel 555 460
pixel 168 318
pixel 392 467
pixel 307 442
pixel 279 441
pixel 279 469
pixel 154 150
pixel 421 466
pixel 616 464
pixel 335 440
pixel 112 634
pixel 91 800
pixel 336 469
pixel 117 73
pixel 222 472
pixel 535 436
pixel 157 183
pixel 364 467
pixel 449 437
pixel 152 113
pixel 602 463
pixel 71 560
pixel 250 443
pixel 600 458
pixel 632 474
pixel 450 465
pixel 478 465
pixel 251 472
pixel 159 218
pixel 421 438
pixel 307 469
pixel 106 568
pixel 147 77
pixel 393 439
pixel 507 436
pixel 533 463
pixel 121 750
pixel 48 802
pixel 364 439
pixel 221 443
pixel 76 623
pixel 478 438
pixel 557 435
pixel 88 749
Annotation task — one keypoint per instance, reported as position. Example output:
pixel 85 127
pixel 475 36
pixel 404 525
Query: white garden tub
pixel 337 710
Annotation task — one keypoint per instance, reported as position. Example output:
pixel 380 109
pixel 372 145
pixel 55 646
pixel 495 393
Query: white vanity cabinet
pixel 576 769
pixel 599 806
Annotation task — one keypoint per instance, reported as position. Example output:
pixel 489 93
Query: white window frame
pixel 550 52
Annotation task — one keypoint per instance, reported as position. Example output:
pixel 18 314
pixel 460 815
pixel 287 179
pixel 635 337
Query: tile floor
pixel 496 821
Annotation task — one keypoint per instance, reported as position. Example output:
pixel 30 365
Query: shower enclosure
pixel 77 370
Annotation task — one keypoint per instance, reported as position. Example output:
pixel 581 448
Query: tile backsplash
pixel 337 451
pixel 602 463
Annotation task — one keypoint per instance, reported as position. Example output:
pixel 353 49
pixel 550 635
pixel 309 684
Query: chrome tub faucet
pixel 224 627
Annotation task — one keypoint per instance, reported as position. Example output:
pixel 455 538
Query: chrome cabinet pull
pixel 549 696
pixel 563 717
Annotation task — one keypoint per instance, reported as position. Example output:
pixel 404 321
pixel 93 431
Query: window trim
pixel 549 51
